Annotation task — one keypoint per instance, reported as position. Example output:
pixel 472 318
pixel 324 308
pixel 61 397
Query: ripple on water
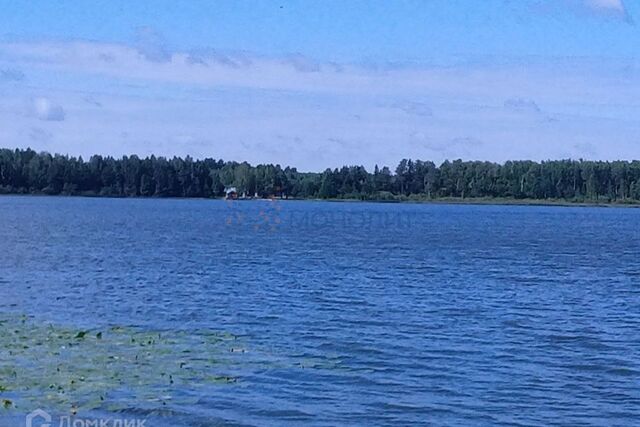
pixel 470 315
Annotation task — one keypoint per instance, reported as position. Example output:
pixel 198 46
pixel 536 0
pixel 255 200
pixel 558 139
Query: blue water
pixel 354 313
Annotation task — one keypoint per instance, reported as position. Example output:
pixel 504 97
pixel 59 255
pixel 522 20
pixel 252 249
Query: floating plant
pixel 118 367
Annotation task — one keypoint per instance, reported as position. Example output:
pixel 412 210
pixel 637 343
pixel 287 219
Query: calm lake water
pixel 344 313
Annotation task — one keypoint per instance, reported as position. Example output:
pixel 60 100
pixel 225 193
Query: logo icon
pixel 39 414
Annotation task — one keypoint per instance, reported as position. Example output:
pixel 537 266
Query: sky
pixel 317 84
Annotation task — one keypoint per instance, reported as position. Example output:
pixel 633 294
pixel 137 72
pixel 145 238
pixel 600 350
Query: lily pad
pixel 61 368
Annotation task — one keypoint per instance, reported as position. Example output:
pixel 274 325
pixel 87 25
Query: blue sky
pixel 323 83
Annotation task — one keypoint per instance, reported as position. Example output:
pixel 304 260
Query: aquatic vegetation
pixel 114 368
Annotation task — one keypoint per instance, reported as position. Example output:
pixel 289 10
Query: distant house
pixel 231 193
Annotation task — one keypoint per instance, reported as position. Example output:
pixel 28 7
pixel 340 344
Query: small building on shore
pixel 231 193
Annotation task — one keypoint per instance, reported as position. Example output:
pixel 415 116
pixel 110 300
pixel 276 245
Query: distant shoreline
pixel 496 202
pixel 438 201
pixel 521 182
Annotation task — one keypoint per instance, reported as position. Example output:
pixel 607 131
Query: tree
pixel 26 171
pixel 328 187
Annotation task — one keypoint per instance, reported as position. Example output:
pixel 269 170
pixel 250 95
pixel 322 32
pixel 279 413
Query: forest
pixel 30 172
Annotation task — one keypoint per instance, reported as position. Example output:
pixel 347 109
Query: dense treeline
pixel 29 172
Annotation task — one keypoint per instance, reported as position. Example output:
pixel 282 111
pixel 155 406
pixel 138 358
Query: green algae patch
pixel 117 367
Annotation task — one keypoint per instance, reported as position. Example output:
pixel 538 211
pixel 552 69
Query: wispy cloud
pixel 611 8
pixel 204 57
pixel 613 5
pixel 45 109
pixel 521 105
pixel 40 136
pixel 11 75
pixel 416 108
pixel 482 80
pixel 238 106
pixel 302 63
pixel 152 45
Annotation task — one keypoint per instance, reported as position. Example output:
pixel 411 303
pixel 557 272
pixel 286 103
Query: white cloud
pixel 614 5
pixel 608 9
pixel 125 65
pixel 521 105
pixel 612 8
pixel 46 110
pixel 239 106
pixel 207 56
pixel 302 63
pixel 151 45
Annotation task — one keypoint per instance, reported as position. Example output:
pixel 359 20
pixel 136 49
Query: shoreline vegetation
pixel 439 201
pixel 548 183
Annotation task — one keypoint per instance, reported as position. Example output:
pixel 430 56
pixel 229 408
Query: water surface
pixel 346 313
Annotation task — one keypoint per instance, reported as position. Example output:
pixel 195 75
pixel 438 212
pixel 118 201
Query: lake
pixel 209 312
